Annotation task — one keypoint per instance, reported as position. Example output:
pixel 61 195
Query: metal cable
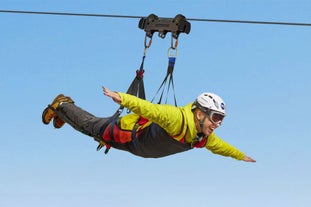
pixel 138 17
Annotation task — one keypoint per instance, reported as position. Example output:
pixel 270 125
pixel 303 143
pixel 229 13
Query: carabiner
pixel 174 45
pixel 147 45
pixel 170 54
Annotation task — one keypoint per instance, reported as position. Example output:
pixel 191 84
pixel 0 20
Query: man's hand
pixel 114 95
pixel 248 159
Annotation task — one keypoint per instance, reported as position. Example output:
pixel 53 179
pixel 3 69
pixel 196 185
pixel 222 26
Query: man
pixel 152 130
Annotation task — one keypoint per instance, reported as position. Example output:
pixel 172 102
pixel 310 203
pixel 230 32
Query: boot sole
pixel 43 115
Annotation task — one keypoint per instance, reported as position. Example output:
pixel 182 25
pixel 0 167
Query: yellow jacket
pixel 176 121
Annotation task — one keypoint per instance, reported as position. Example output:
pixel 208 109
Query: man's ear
pixel 198 114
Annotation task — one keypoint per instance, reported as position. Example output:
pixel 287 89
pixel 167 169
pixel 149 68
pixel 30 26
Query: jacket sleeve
pixel 167 116
pixel 219 146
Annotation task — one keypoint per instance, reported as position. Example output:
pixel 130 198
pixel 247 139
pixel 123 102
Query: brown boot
pixel 48 113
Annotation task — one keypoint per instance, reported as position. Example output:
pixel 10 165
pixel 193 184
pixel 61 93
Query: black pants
pixel 153 142
pixel 81 120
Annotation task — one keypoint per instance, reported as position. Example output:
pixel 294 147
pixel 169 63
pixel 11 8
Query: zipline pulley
pixel 153 23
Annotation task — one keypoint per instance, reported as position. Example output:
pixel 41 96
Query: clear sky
pixel 262 72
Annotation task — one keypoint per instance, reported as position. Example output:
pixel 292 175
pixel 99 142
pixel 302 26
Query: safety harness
pixel 150 25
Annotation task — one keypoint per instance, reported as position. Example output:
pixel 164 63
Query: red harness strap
pixel 201 143
pixel 114 133
pixel 117 135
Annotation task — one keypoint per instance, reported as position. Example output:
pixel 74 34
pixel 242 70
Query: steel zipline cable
pixel 138 17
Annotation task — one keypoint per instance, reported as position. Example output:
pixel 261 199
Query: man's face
pixel 208 126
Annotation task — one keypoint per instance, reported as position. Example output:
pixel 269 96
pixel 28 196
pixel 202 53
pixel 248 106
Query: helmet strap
pixel 200 135
pixel 202 123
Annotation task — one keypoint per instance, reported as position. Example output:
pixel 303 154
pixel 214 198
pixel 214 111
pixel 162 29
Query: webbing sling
pixel 169 77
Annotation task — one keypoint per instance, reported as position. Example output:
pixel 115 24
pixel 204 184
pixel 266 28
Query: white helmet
pixel 212 105
pixel 211 101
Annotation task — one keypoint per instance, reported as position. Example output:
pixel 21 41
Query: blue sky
pixel 262 72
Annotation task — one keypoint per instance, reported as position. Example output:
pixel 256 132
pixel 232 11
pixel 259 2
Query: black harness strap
pixel 136 88
pixel 134 131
